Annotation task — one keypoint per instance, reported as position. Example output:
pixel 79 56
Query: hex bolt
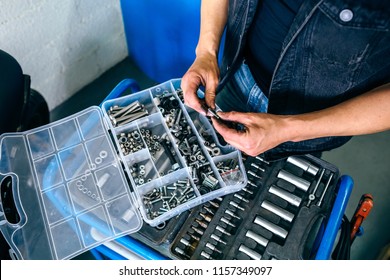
pixel 178 117
pixel 129 118
pixel 127 108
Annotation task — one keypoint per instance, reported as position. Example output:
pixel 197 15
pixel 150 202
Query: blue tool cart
pixel 142 176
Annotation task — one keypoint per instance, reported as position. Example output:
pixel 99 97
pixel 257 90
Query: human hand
pixel 204 71
pixel 262 131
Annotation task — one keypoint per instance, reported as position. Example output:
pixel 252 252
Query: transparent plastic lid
pixel 68 187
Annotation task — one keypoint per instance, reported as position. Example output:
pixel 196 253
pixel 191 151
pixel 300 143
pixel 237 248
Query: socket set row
pixel 276 216
pixel 171 154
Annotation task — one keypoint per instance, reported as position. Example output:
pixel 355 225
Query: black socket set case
pixel 225 228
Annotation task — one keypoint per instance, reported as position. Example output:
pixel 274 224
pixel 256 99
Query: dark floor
pixel 365 158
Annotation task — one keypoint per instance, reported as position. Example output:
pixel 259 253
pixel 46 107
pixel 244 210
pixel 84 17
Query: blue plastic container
pixel 162 35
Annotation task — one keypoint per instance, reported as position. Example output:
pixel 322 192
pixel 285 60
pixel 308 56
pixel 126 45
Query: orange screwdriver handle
pixel 363 209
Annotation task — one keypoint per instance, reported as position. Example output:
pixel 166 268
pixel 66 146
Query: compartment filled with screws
pixel 156 137
pixel 142 169
pixel 130 142
pixel 169 193
pixel 125 110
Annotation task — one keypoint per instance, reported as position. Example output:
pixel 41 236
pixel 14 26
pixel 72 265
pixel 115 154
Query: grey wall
pixel 63 45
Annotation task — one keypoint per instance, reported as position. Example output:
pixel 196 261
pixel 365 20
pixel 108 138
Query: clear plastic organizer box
pixel 98 174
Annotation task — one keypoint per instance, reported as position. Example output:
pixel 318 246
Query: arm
pixel 204 71
pixel 364 114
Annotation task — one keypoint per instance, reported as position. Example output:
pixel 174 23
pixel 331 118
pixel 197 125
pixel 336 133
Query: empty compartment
pixel 123 214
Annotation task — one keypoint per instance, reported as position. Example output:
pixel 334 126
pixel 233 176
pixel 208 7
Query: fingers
pixel 210 94
pixel 235 117
pixel 204 71
pixel 235 138
pixel 248 140
pixel 223 129
pixel 190 85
